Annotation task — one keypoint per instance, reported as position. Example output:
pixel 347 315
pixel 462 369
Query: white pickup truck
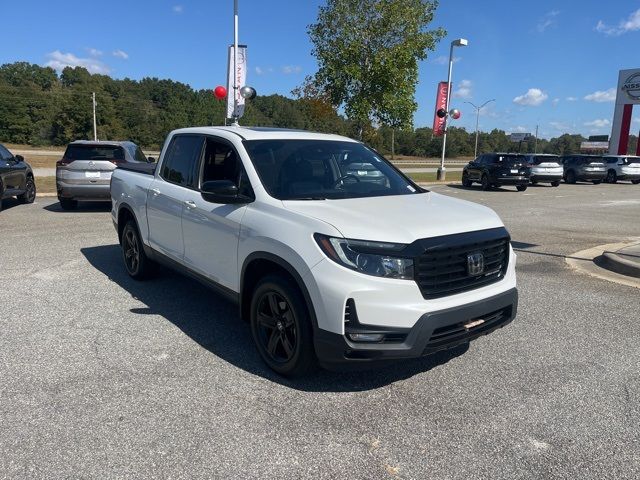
pixel 331 253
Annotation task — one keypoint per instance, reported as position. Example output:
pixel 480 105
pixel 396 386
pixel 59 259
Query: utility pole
pixel 535 148
pixel 95 129
pixel 475 152
pixel 235 62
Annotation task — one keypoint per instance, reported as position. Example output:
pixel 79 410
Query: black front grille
pixel 443 267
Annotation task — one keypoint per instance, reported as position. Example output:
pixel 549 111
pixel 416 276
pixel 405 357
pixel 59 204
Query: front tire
pixel 29 196
pixel 486 184
pixel 635 182
pixel 281 327
pixel 597 182
pixel 135 259
pixel 555 184
pixel 534 182
pixel 571 177
pixel 611 176
pixel 521 188
pixel 465 181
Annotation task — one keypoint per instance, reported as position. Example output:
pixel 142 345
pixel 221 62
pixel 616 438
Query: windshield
pixel 324 169
pixel 94 152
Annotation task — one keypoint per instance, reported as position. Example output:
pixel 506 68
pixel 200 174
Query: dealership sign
pixel 236 110
pixel 594 146
pixel 439 123
pixel 631 86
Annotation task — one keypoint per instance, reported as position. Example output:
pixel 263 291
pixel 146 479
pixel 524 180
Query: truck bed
pixel 146 168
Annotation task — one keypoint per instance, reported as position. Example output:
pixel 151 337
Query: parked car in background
pixel 586 168
pixel 497 169
pixel 16 177
pixel 622 167
pixel 545 168
pixel 84 172
pixel 325 264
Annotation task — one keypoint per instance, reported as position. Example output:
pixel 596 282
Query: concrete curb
pixel 617 263
pixel 589 262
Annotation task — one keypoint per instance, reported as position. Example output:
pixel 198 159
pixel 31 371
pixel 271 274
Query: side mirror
pixel 19 158
pixel 151 159
pixel 222 191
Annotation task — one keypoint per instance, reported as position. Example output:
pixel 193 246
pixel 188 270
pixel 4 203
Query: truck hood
pixel 400 218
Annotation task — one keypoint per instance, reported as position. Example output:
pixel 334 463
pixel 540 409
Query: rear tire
pixel 281 326
pixel 611 177
pixel 486 185
pixel 635 182
pixel 555 184
pixel 597 182
pixel 29 196
pixel 534 182
pixel 571 177
pixel 68 203
pixel 521 188
pixel 135 259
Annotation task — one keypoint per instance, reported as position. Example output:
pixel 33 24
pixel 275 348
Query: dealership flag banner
pixel 441 103
pixel 241 76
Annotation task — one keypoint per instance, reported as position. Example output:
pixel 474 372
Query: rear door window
pixel 182 160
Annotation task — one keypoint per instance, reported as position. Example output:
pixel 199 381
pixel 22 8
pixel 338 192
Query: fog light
pixel 366 337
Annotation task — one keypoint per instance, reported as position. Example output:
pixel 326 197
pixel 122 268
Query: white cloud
pixel 59 60
pixel 636 120
pixel 532 98
pixel 571 99
pixel 631 24
pixel 601 96
pixel 463 90
pixel 562 127
pixel 555 102
pixel 289 69
pixel 120 54
pixel 444 60
pixel 548 20
pixel 178 9
pixel 259 71
pixel 598 123
pixel 94 52
pixel 518 129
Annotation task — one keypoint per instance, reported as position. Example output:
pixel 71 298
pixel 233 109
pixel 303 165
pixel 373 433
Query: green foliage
pixel 368 53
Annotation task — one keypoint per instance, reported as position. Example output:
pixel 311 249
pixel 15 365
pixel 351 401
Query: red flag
pixel 441 103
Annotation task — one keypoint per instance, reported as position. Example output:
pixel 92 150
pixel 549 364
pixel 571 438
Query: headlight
pixel 371 258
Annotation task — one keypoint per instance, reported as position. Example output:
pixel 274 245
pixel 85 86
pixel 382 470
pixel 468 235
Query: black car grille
pixel 443 267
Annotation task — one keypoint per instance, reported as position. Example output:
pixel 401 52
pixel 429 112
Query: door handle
pixel 190 204
pixel 155 191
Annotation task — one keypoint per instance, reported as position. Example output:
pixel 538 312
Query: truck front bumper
pixel 434 331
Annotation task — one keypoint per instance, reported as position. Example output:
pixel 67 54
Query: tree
pixel 368 53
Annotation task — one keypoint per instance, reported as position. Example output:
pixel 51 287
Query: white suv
pixel 622 167
pixel 331 253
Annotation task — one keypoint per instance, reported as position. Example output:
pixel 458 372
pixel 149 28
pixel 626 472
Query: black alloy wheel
pixel 611 176
pixel 521 188
pixel 135 260
pixel 281 327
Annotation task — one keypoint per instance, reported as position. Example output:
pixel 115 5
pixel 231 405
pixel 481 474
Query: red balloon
pixel 456 114
pixel 220 92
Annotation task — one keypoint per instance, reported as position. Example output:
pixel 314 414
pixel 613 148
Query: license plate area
pixel 514 170
pixel 92 174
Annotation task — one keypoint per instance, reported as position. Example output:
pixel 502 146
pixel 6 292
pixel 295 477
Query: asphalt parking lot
pixel 105 377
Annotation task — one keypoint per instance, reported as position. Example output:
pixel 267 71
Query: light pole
pixel 475 152
pixel 460 42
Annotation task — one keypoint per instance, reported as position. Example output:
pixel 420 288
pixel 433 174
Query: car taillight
pixel 117 161
pixel 63 162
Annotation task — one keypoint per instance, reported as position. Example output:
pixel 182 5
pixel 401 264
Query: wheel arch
pixel 125 213
pixel 259 264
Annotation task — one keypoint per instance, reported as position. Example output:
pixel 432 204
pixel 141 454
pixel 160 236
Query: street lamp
pixel 460 42
pixel 475 152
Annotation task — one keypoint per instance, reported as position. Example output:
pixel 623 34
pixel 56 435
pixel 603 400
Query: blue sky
pixel 550 63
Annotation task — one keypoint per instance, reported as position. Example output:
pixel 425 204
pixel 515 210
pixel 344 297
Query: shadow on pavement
pixel 83 207
pixel 213 323
pixel 10 202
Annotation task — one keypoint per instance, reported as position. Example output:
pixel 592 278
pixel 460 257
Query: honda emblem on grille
pixel 475 264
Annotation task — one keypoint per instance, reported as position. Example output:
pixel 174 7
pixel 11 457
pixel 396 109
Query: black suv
pixel 497 169
pixel 590 168
pixel 16 178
